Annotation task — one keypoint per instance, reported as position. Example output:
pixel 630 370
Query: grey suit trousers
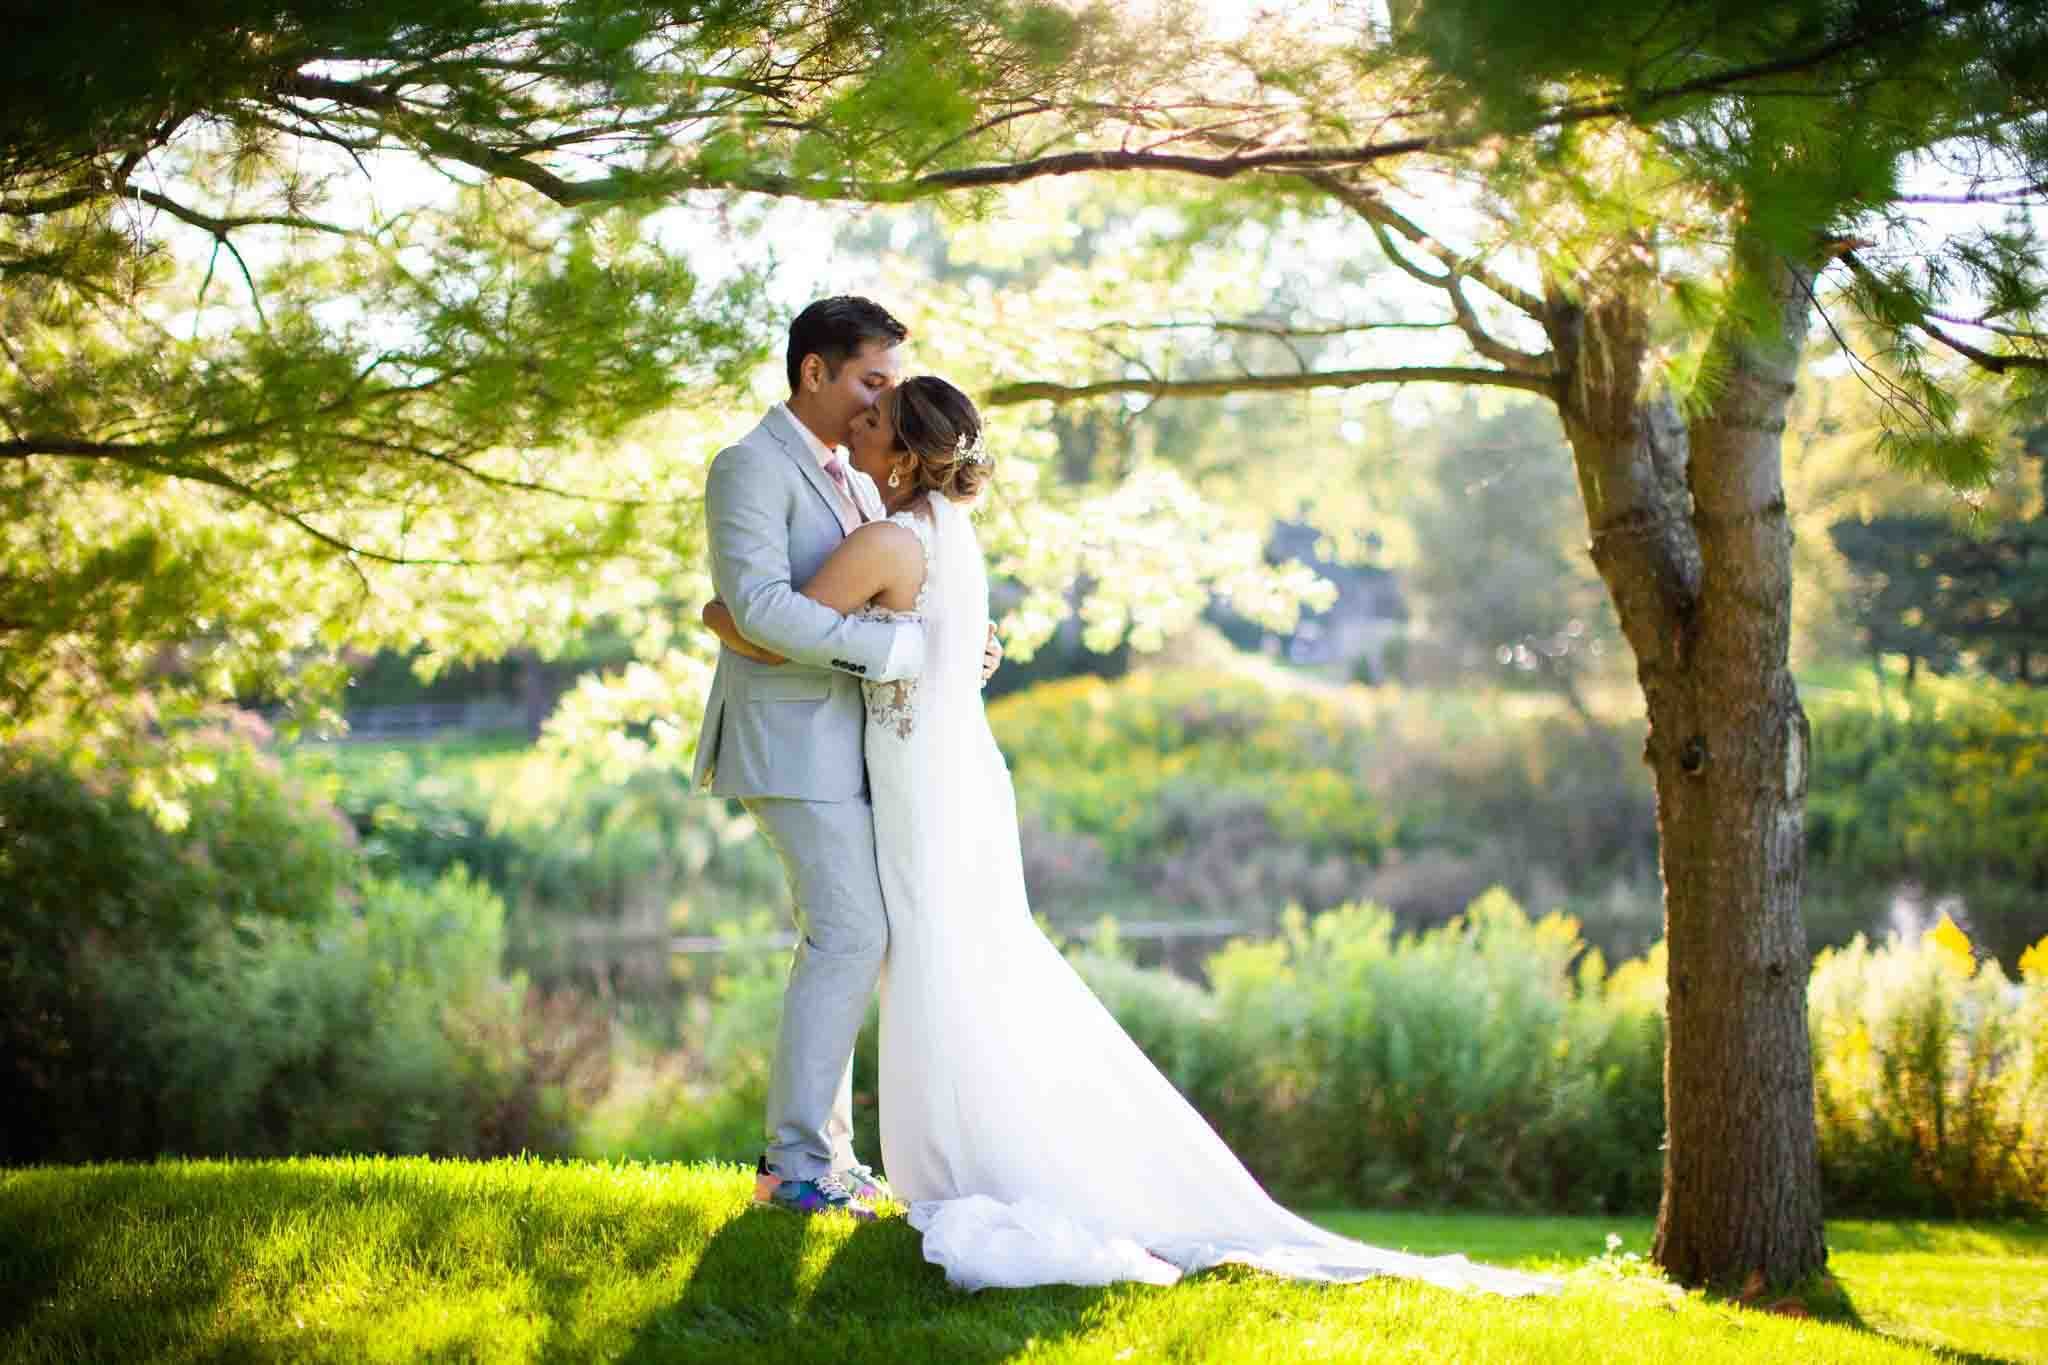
pixel 828 852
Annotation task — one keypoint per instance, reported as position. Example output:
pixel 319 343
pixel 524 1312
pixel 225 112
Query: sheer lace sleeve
pixel 892 706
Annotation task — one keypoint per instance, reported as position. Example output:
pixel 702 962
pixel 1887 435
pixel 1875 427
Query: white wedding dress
pixel 1032 1139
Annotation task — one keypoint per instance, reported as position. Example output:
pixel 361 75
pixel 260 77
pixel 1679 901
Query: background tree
pixel 1935 591
pixel 1892 560
pixel 1491 574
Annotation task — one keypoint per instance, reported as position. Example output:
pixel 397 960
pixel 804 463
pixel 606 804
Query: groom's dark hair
pixel 836 329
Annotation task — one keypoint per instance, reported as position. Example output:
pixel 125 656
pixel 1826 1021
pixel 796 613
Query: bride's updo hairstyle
pixel 938 424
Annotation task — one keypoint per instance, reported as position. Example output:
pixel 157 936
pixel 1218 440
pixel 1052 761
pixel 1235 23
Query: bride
pixel 1032 1140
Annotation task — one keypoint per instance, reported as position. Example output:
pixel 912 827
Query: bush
pixel 237 985
pixel 88 875
pixel 1214 791
pixel 1095 758
pixel 1490 1062
pixel 1469 1064
pixel 384 1029
pixel 415 814
pixel 1217 792
pixel 573 853
pixel 82 855
pixel 268 1039
pixel 1931 1077
pixel 1947 791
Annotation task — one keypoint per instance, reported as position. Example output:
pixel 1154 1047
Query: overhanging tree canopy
pixel 249 357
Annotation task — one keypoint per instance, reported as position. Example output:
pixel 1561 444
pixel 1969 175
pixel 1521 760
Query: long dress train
pixel 1034 1141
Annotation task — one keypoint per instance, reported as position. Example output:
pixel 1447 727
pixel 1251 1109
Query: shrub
pixel 1095 758
pixel 707 1099
pixel 88 875
pixel 1931 1076
pixel 1493 1061
pixel 1466 1065
pixel 1063 869
pixel 569 850
pixel 1172 1019
pixel 1472 1064
pixel 1215 792
pixel 237 985
pixel 81 854
pixel 417 816
pixel 383 1029
pixel 1947 790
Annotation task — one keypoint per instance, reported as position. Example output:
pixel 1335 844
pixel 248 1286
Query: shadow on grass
pixel 55 1236
pixel 64 1242
pixel 742 1290
pixel 1881 1236
pixel 1824 1300
pixel 749 1298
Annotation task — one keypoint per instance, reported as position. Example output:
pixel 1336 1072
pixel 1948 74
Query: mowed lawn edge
pixel 527 1259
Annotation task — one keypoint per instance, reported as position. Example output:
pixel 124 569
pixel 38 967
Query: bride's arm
pixel 718 620
pixel 874 559
pixel 879 558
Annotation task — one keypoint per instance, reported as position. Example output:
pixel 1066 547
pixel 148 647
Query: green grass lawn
pixel 511 1260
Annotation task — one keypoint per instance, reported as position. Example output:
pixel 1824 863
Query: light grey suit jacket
pixel 791 729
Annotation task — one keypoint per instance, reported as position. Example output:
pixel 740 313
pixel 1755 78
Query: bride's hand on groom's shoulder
pixel 720 623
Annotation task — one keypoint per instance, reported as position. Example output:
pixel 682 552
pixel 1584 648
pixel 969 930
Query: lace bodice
pixel 892 706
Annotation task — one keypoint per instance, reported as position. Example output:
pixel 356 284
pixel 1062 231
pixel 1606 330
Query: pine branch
pixel 146 455
pixel 221 227
pixel 1983 359
pixel 167 461
pixel 1006 394
pixel 2021 195
pixel 1370 206
pixel 387 115
pixel 1277 330
pixel 1999 328
pixel 54 203
pixel 1987 360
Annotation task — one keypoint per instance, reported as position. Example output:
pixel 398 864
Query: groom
pixel 786 739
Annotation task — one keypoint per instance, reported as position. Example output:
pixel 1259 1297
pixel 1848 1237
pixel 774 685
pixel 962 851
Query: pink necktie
pixel 836 467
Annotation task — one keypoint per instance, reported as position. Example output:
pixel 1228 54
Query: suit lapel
pixel 794 446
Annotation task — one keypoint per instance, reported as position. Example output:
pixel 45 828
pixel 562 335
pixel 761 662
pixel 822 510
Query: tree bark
pixel 1690 534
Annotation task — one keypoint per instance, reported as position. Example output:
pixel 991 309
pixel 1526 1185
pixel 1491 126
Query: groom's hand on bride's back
pixel 992 655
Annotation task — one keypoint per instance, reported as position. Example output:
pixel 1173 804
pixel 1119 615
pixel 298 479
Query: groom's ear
pixel 811 372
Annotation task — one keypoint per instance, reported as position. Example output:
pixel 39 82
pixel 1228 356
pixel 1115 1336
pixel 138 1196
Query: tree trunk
pixel 1690 534
pixel 537 695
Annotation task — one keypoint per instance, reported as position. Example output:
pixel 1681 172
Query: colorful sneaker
pixel 827 1194
pixel 867 1187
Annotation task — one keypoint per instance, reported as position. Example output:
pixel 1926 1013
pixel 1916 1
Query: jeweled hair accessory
pixel 971 450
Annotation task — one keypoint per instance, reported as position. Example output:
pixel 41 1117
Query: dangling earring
pixel 895 477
